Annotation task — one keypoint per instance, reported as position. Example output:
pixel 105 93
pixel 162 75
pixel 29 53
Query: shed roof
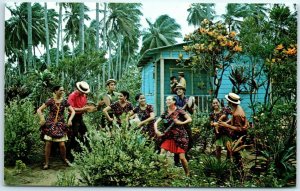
pixel 148 54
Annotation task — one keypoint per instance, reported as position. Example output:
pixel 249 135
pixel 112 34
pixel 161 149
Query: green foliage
pixel 21 135
pixel 218 169
pixel 201 130
pixel 66 179
pixel 85 67
pixel 275 136
pixel 121 157
pixel 131 82
pixel 20 166
pixel 238 79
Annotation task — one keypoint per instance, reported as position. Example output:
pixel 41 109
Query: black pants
pixel 176 156
pixel 78 131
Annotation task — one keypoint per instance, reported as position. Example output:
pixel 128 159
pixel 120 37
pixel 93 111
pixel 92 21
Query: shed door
pixel 148 83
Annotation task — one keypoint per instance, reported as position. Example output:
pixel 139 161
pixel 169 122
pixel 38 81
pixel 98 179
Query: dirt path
pixel 35 176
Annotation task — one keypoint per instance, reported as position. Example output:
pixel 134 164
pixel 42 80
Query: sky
pixel 150 9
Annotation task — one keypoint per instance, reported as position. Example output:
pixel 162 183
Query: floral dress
pixel 118 110
pixel 143 115
pixel 215 118
pixel 173 131
pixel 55 125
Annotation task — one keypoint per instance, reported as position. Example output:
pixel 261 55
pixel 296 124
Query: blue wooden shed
pixel 159 64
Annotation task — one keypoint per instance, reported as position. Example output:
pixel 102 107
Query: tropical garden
pixel 45 47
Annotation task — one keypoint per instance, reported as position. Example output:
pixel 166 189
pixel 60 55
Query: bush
pixel 122 157
pixel 21 135
pixel 201 130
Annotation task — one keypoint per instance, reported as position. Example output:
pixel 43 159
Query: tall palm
pixel 235 13
pixel 59 33
pixel 122 25
pixel 97 26
pixel 16 32
pixel 72 23
pixel 81 28
pixel 162 32
pixel 48 61
pixel 200 11
pixel 29 28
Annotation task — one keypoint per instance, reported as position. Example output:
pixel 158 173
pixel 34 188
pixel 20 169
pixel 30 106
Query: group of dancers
pixel 175 137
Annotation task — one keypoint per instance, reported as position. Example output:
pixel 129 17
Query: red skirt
pixel 170 145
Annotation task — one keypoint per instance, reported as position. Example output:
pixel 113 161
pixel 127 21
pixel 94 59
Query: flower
pixel 237 48
pixel 290 51
pixel 202 30
pixel 229 43
pixel 223 43
pixel 232 34
pixel 279 47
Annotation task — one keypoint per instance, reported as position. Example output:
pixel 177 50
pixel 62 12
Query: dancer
pixel 174 138
pixel 54 127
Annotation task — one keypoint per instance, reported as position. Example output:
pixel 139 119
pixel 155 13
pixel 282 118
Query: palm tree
pixel 59 31
pixel 235 13
pixel 162 32
pixel 81 28
pixel 97 26
pixel 72 23
pixel 47 35
pixel 16 32
pixel 122 25
pixel 200 11
pixel 29 28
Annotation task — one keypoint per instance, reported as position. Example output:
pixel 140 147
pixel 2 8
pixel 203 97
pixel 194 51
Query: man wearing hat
pixel 107 99
pixel 182 79
pixel 78 100
pixel 238 123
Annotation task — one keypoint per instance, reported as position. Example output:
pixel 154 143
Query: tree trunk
pixel 29 28
pixel 58 33
pixel 120 56
pixel 81 28
pixel 97 26
pixel 97 36
pixel 47 36
pixel 62 42
pixel 104 46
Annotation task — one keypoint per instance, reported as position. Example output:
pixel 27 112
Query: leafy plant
pixel 238 79
pixel 121 157
pixel 202 133
pixel 21 134
pixel 67 179
pixel 212 167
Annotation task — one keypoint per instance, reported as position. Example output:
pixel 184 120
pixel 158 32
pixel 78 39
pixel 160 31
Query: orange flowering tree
pixel 282 70
pixel 211 48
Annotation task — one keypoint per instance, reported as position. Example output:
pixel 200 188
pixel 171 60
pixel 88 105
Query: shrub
pixel 122 157
pixel 201 130
pixel 21 135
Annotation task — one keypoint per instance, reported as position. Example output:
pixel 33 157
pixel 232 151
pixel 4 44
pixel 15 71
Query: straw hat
pixel 181 73
pixel 83 87
pixel 110 81
pixel 233 98
pixel 179 86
